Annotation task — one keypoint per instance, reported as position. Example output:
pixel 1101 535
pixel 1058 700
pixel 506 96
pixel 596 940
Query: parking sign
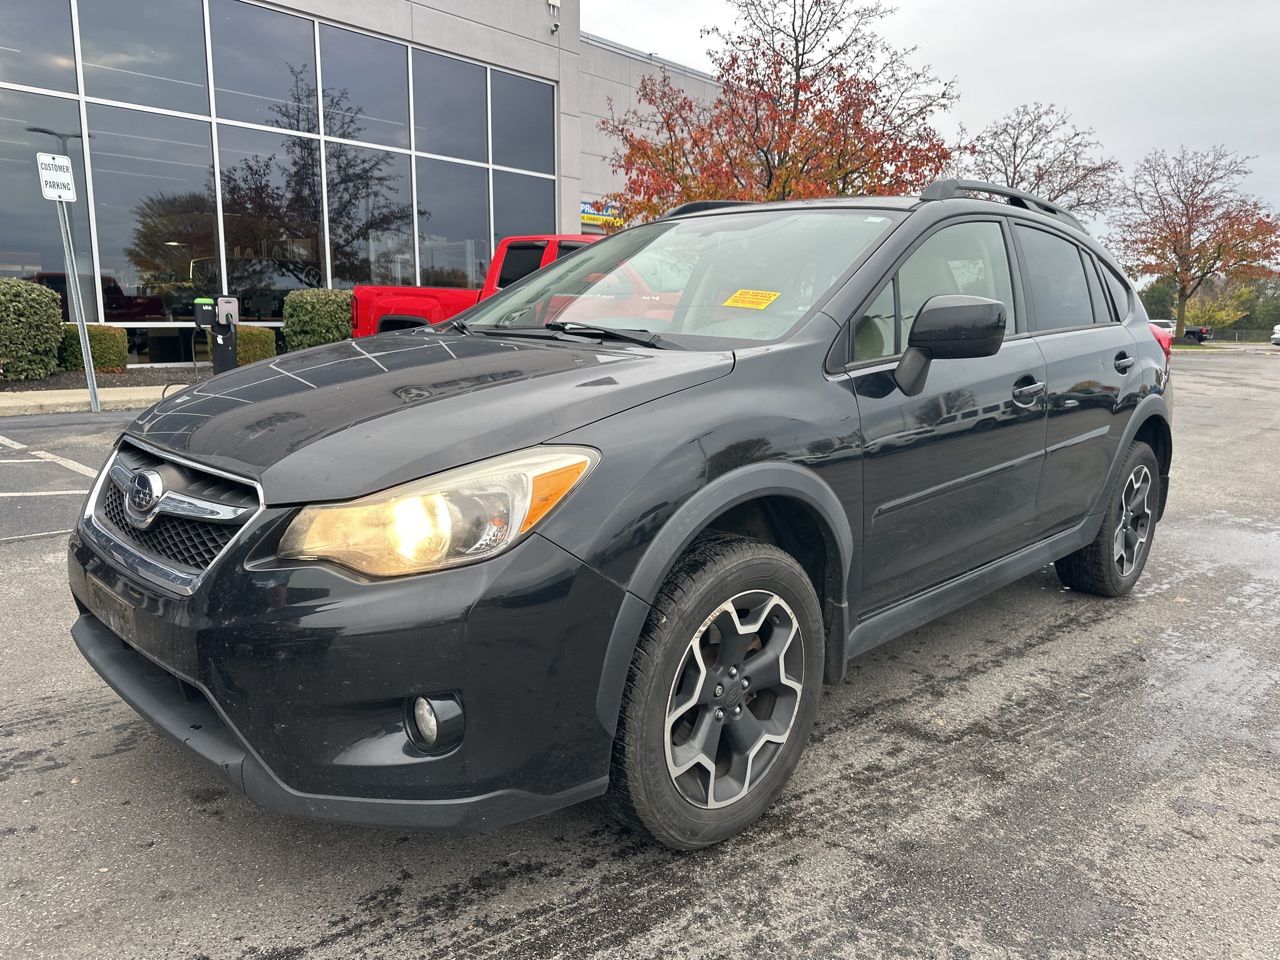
pixel 57 182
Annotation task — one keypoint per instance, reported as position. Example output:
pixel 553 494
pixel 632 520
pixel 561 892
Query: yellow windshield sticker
pixel 752 299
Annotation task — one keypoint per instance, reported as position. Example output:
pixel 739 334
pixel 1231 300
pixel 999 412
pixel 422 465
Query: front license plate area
pixel 117 613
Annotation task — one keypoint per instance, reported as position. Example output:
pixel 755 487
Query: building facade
pixel 249 148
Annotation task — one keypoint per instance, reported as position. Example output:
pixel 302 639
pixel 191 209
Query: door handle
pixel 1026 394
pixel 1124 362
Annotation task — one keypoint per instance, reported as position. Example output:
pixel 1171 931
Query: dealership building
pixel 248 148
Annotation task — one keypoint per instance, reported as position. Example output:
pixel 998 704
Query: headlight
pixel 452 518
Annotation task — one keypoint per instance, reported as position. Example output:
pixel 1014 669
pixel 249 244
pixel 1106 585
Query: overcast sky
pixel 1142 73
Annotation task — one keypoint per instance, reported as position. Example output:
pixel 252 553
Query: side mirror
pixel 949 327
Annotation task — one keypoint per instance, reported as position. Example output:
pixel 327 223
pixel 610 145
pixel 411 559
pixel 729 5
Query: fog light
pixel 424 718
pixel 434 722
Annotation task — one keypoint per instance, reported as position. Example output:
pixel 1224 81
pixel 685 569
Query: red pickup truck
pixel 379 309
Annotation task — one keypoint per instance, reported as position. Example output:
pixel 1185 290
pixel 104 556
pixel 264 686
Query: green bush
pixel 312 317
pixel 109 345
pixel 254 344
pixel 30 330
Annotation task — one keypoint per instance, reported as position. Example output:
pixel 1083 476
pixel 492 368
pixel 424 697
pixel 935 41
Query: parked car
pixel 1275 335
pixel 462 575
pixel 1168 325
pixel 1197 332
pixel 379 309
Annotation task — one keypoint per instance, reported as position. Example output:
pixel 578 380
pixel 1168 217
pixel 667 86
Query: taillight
pixel 1165 339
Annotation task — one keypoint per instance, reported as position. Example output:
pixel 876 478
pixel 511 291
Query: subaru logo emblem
pixel 144 493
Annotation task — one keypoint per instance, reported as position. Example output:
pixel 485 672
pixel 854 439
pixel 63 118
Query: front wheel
pixel 1112 563
pixel 721 694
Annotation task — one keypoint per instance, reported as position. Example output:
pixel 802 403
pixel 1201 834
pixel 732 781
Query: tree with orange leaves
pixel 1185 216
pixel 812 103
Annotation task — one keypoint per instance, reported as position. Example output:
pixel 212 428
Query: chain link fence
pixel 1231 334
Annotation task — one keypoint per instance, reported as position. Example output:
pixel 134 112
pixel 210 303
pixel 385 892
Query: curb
pixel 112 400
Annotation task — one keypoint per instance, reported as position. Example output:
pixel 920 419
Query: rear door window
pixel 521 260
pixel 1059 291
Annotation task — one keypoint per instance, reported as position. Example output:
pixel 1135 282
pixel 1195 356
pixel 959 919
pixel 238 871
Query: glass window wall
pixel 272 216
pixel 148 52
pixel 370 216
pixel 522 205
pixel 30 241
pixel 154 204
pixel 36 47
pixel 450 107
pixel 263 66
pixel 313 187
pixel 453 223
pixel 366 87
pixel 524 131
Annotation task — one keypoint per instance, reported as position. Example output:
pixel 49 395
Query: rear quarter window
pixel 1120 294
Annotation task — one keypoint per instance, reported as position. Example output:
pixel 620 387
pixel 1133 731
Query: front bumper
pixel 189 718
pixel 291 682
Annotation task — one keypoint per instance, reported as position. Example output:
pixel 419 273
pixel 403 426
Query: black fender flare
pixel 1152 405
pixel 750 482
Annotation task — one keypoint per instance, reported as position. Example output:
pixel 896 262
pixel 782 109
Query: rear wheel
pixel 1112 563
pixel 721 695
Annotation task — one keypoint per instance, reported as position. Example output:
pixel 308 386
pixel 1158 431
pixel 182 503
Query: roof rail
pixel 697 206
pixel 950 189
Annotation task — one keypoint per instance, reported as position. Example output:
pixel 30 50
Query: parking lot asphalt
pixel 1040 774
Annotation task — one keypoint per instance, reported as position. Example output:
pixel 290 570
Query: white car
pixel 1165 325
pixel 1275 335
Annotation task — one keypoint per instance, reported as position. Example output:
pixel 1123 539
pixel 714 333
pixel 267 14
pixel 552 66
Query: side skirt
pixel 891 622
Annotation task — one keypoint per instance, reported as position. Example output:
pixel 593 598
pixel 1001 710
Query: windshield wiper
pixel 454 324
pixel 644 338
pixel 556 330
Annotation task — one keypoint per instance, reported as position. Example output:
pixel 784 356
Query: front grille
pixel 184 544
pixel 191 543
pixel 192 482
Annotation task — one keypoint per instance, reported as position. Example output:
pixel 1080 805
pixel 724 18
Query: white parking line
pixel 23 460
pixel 12 444
pixel 33 536
pixel 79 468
pixel 46 493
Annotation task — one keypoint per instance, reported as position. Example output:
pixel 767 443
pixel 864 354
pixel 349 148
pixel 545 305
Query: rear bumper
pixel 186 714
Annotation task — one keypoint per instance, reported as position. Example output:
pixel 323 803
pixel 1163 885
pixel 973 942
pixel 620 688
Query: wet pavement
pixel 1039 774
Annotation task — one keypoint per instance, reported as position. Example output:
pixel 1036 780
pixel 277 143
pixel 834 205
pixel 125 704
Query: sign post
pixel 58 183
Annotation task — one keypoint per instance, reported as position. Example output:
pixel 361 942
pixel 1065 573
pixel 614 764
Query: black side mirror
pixel 949 327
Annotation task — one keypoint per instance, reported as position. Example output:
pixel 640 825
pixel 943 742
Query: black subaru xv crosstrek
pixel 612 529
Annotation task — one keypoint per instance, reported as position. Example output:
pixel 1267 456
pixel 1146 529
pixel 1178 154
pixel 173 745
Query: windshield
pixel 705 282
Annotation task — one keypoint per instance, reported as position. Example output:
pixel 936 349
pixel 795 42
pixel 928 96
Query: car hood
pixel 354 417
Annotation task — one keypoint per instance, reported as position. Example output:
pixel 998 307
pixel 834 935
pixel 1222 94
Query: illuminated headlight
pixel 456 517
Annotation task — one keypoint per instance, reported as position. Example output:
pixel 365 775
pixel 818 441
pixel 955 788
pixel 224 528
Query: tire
pixel 672 693
pixel 1112 563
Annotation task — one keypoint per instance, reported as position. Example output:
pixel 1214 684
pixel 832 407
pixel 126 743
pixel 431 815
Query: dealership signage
pixel 56 179
pixel 608 214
